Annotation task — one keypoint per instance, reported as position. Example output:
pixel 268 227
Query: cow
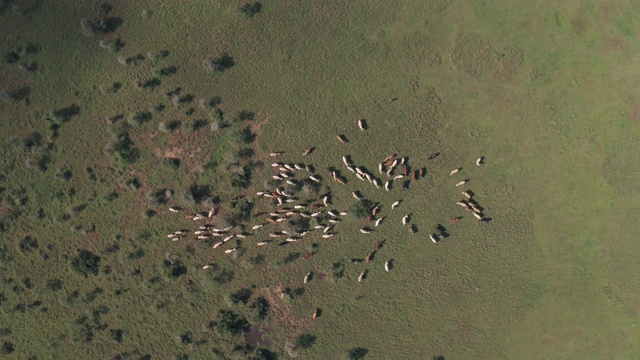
pixel 405 170
pixel 326 229
pixel 218 244
pixel 379 245
pixel 342 139
pixel 454 171
pixel 359 176
pixel 344 160
pixel 326 236
pixel 480 161
pixel 174 209
pixel 478 216
pixel 356 195
pixel 228 238
pixel 368 258
pixel 229 251
pixel 376 182
pixel 405 219
pixel 423 171
pixel 276 153
pixel 414 176
pixel 467 194
pixel 276 164
pixel 362 125
pixel 298 166
pixel 379 221
pixel 462 182
pixel 308 256
pixel 389 157
pixel 433 156
pixel 387 185
pixel 386 265
pixel 456 219
pixel 206 267
pixel 398 177
pixel 433 238
pixel 341 181
pixel 380 168
pixel 306 278
pixel 375 210
pixel 396 203
pixel 316 313
pixel 362 276
pixel 364 231
pixel 307 152
pixel 351 168
pixel 314 178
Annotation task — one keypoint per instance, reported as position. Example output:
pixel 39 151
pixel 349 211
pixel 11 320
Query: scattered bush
pixel 229 321
pixel 361 209
pixel 357 353
pixel 173 163
pixel 88 27
pixel 305 341
pixel 259 308
pixel 242 296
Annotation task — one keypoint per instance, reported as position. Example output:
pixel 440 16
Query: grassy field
pixel 109 115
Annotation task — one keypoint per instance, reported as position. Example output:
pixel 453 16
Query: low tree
pixel 250 9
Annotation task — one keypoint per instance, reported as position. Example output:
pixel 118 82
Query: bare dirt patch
pixel 281 311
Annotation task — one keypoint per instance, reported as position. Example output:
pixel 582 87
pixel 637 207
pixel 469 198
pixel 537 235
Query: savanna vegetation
pixel 113 112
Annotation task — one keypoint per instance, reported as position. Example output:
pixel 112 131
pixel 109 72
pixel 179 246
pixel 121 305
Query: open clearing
pixel 111 112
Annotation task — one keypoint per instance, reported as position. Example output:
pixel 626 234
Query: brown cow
pixel 406 170
pixel 370 218
pixel 415 175
pixel 316 313
pixel 307 256
pixel 368 258
pixel 389 157
pixel 342 139
pixel 307 152
pixel 379 245
pixel 456 219
pixel 422 172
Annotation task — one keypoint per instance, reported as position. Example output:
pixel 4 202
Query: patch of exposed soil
pixel 281 311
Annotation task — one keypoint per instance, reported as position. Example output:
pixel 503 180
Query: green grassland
pixel 99 139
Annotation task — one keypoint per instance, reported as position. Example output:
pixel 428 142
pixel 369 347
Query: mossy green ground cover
pixel 544 90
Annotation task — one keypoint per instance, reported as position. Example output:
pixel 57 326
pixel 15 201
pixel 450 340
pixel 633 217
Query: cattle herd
pixel 287 206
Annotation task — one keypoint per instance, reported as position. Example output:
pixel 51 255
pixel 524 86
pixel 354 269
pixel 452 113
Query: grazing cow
pixel 414 176
pixel 334 221
pixel 212 212
pixel 171 235
pixel 398 177
pixel 360 176
pixel 241 236
pixel 405 170
pixel 197 232
pixel 174 209
pixel 277 177
pixel 276 153
pixel 260 193
pixel 370 218
pixel 433 238
pixel 364 231
pixel 308 256
pixel 341 181
pixel 394 163
pixel 325 200
pixel 333 213
pixel 405 219
pixel 467 194
pixel 277 164
pixel 359 171
pixel 361 125
pixel 229 251
pixel 369 177
pixel 289 166
pixel 298 166
pixel 292 240
pixel 396 203
pixel 456 219
pixel 356 195
pixel 412 229
pixel 275 235
pixel 375 210
pixel 263 243
pixel 344 160
pixel 218 244
pixel 433 156
pixel 314 178
pixel 378 221
pixel 386 265
pixel 478 216
pixel 387 185
pixel 326 229
pixel 326 236
pixel 380 168
pixel 361 276
pixel 281 219
pixel 376 182
pixel 291 182
pixel 379 245
pixel 351 168
pixel 368 258
pixel 480 161
pixel 306 278
pixel 307 152
pixel 206 267
pixel 316 313
pixel 454 171
pixel 389 157
pixel 343 213
pixel 342 138
pixel 462 182
pixel 316 214
pixel 228 238
pixel 463 203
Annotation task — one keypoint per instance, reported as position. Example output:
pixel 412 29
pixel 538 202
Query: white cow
pixel 480 161
pixel 393 206
pixel 405 219
pixel 386 265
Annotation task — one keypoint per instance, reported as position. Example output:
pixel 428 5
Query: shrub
pixel 242 296
pixel 357 353
pixel 229 321
pixel 250 9
pixel 305 341
pixel 86 263
pixel 259 308
pixel 361 208
pixel 88 27
pixel 219 64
